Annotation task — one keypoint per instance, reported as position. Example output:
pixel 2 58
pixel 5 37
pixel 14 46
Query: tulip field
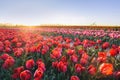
pixel 59 54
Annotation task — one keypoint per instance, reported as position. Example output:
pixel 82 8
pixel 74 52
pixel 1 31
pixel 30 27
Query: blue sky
pixel 79 12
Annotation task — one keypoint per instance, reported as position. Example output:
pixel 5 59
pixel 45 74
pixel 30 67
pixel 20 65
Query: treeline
pixel 62 26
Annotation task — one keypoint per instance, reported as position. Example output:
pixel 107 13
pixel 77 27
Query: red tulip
pixel 18 52
pixel 102 56
pixel 7 43
pixel 67 45
pixel 60 45
pixel 92 70
pixel 4 56
pixel 79 68
pixel 117 75
pixel 85 56
pixel 7 50
pixel 74 58
pixel 105 45
pixel 1 46
pixel 85 41
pixel 25 75
pixel 70 52
pixel 106 68
pixel 38 47
pixel 38 74
pixel 9 62
pixel 99 41
pixel 81 51
pixel 114 46
pixel 113 52
pixel 63 59
pixel 44 51
pixel 56 53
pixel 32 49
pixel 74 78
pixel 30 64
pixel 15 40
pixel 68 40
pixel 54 64
pixel 1 43
pixel 19 44
pixel 62 66
pixel 40 64
pixel 17 72
pixel 83 61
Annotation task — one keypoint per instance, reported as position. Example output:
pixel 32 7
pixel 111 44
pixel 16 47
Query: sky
pixel 69 12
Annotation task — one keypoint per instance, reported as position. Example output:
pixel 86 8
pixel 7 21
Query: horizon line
pixel 92 24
